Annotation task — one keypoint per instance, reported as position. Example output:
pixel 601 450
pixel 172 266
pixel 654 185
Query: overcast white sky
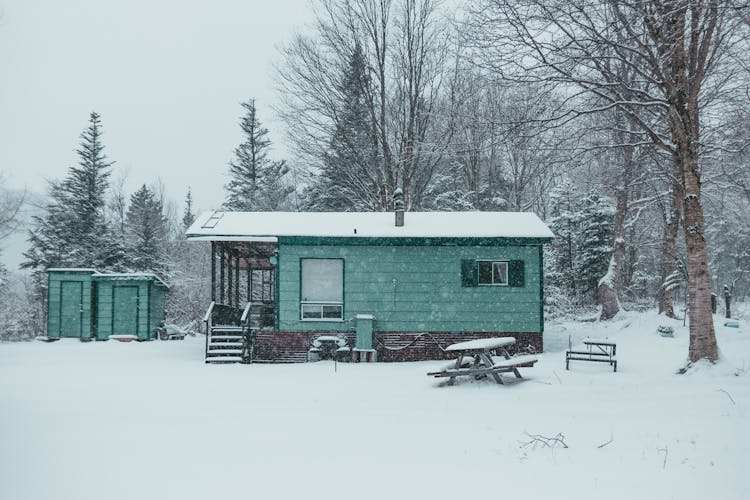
pixel 167 77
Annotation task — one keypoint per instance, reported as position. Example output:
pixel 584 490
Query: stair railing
pixel 247 340
pixel 245 313
pixel 208 321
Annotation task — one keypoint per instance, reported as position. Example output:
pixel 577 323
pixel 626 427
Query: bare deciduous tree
pixel 674 48
pixel 11 203
pixel 404 46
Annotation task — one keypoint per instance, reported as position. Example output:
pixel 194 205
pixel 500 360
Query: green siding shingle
pixel 417 288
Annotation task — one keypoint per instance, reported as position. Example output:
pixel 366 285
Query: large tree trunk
pixel 702 335
pixel 609 285
pixel 669 255
pixel 686 71
pixel 606 292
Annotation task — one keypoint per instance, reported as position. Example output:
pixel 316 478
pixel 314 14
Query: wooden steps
pixel 225 344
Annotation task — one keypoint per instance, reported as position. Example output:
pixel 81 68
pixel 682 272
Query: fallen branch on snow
pixel 611 438
pixel 666 452
pixel 544 441
pixel 729 396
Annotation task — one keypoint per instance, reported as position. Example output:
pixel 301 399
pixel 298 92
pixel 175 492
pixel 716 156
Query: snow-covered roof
pixel 267 226
pixel 72 269
pixel 130 276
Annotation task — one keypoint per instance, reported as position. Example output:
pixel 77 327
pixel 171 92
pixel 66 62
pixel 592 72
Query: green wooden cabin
pixel 405 287
pixel 89 305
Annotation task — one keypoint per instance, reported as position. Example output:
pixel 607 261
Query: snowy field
pixel 112 421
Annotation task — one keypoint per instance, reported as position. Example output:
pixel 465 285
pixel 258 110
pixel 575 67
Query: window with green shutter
pixel 516 273
pixel 468 272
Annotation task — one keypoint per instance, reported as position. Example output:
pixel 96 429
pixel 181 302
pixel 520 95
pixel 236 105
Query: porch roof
pixel 267 226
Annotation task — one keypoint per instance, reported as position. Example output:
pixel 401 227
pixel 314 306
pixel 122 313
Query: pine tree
pixel 729 236
pixel 347 181
pixel 256 182
pixel 74 231
pixel 594 241
pixel 446 191
pixel 564 223
pixel 146 229
pixel 188 216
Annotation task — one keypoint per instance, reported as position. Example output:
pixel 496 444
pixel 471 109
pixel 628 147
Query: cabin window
pixel 487 272
pixel 492 272
pixel 322 289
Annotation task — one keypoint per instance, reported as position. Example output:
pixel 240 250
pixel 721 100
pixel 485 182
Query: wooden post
pixel 213 271
pixel 237 280
pixel 229 277
pixel 221 274
pixel 249 281
pixel 727 302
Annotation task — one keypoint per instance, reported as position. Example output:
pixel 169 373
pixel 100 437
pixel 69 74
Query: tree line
pixel 622 124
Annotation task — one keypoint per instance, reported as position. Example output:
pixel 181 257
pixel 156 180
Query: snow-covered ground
pixel 112 421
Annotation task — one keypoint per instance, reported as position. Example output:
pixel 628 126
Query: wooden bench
pixel 602 351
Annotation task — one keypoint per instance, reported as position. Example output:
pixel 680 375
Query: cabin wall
pixel 416 289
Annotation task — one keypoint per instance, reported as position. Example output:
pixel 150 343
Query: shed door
pixel 71 308
pixel 125 304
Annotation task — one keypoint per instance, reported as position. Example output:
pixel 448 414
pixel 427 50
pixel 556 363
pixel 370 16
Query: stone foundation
pixel 292 347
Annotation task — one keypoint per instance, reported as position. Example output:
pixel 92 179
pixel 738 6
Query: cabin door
pixel 126 305
pixel 71 308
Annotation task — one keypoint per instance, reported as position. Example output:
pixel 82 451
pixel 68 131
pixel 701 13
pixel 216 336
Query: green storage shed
pixel 70 303
pixel 86 304
pixel 129 304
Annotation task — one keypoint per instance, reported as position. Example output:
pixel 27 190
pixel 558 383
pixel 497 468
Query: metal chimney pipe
pixel 398 206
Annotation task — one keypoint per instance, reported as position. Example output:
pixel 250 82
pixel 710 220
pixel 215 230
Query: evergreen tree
pixel 446 191
pixel 74 231
pixel 729 236
pixel 594 241
pixel 273 189
pixel 347 180
pixel 188 216
pixel 256 182
pixel 564 223
pixel 146 228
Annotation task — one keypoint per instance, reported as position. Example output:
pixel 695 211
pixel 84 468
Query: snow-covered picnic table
pixel 475 359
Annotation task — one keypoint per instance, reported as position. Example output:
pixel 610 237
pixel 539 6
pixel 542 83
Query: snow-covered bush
pixel 21 313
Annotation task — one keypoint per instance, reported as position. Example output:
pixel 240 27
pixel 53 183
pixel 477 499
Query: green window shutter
pixel 515 273
pixel 468 272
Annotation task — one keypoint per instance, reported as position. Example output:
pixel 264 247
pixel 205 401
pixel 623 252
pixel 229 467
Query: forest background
pixel 624 126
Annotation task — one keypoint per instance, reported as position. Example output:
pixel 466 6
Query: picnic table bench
pixel 475 359
pixel 598 350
